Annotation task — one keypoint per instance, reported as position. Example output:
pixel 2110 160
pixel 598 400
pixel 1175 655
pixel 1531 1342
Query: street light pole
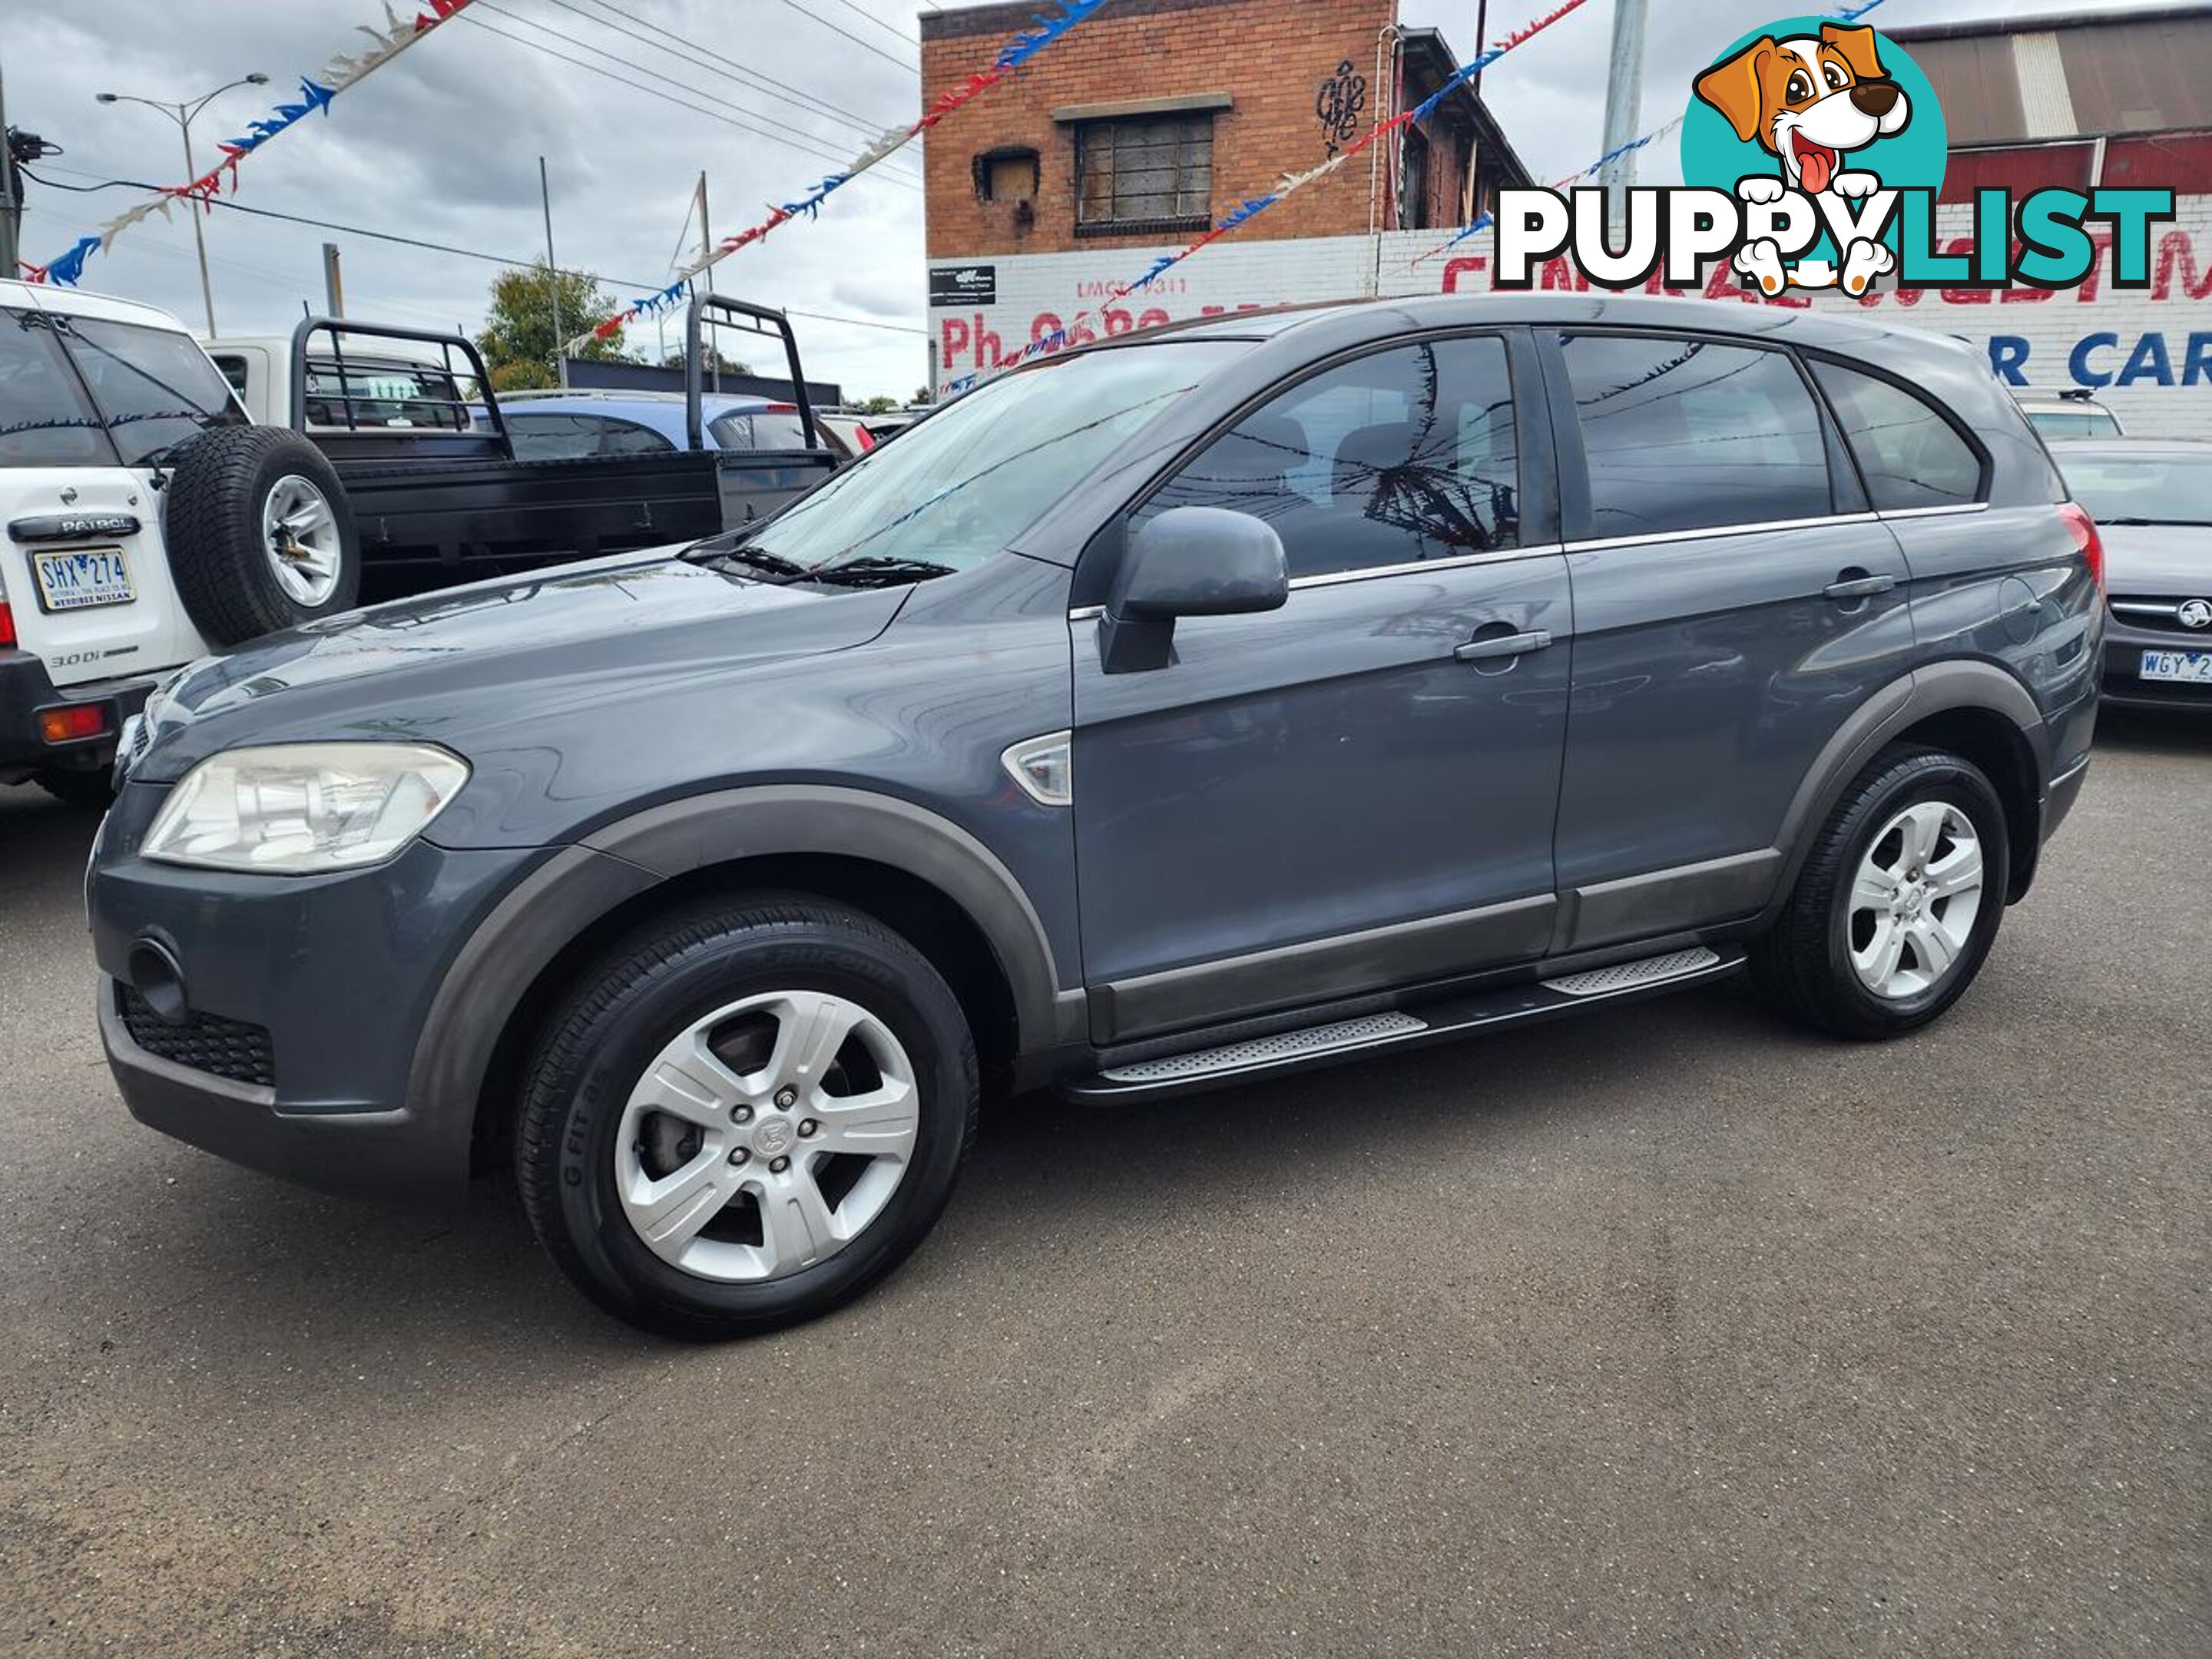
pixel 182 114
pixel 199 231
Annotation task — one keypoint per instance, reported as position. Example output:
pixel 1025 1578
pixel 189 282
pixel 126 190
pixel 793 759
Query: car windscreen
pixel 2159 489
pixel 155 388
pixel 961 485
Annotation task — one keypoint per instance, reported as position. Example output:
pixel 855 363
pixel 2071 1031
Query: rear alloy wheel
pixel 1915 901
pixel 1899 901
pixel 746 1114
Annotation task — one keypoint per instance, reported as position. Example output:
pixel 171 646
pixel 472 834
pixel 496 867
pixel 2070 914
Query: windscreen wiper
pixel 878 572
pixel 729 549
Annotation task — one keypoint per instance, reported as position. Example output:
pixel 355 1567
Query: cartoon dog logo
pixel 1809 100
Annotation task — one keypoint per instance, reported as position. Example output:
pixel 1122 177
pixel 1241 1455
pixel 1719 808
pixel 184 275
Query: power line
pixel 447 247
pixel 896 33
pixel 751 78
pixel 864 46
pixel 470 16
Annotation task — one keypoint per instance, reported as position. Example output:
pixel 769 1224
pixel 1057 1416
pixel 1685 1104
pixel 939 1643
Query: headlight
pixel 299 809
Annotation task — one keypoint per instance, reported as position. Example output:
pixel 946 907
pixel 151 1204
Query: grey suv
pixel 1282 690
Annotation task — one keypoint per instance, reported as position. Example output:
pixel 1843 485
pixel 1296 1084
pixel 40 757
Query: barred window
pixel 1156 172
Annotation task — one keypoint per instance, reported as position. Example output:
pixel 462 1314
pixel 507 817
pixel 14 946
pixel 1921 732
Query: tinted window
pixel 154 388
pixel 43 418
pixel 1406 455
pixel 627 437
pixel 770 429
pixel 1683 434
pixel 551 437
pixel 1910 455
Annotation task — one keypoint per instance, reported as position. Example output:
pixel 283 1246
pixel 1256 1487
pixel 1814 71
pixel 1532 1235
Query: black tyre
pixel 1896 909
pixel 259 533
pixel 745 1116
pixel 87 788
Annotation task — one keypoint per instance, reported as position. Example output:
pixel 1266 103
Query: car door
pixel 1355 791
pixel 1735 603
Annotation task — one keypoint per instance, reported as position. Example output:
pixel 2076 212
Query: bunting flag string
pixel 316 92
pixel 1252 207
pixel 1483 220
pixel 1016 51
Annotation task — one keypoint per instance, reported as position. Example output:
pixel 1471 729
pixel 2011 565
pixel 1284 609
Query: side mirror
pixel 1189 561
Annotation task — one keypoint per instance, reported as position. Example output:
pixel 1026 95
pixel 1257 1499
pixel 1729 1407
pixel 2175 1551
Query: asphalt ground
pixel 1675 1332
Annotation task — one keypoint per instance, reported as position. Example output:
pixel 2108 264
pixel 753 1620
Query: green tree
pixel 520 340
pixel 716 362
pixel 879 406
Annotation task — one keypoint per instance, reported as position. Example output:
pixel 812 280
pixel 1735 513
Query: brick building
pixel 1153 120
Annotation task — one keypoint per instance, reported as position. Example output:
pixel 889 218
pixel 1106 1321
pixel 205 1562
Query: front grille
pixel 2161 615
pixel 232 1049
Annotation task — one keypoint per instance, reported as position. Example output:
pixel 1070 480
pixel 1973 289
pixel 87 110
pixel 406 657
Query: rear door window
pixel 764 429
pixel 154 389
pixel 1686 434
pixel 1402 456
pixel 44 420
pixel 1908 454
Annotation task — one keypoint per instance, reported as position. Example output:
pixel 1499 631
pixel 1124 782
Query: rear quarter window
pixel 156 389
pixel 1908 454
pixel 43 418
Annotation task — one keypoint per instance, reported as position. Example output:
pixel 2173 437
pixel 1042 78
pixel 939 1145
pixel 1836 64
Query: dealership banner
pixel 2145 352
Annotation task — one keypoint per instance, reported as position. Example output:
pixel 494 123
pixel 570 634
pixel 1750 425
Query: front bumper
pixel 26 687
pixel 317 990
pixel 2125 685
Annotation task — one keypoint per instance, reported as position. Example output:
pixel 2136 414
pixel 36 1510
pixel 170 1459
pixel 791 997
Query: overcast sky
pixel 443 144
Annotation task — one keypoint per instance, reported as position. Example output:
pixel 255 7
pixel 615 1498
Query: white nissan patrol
pixel 146 523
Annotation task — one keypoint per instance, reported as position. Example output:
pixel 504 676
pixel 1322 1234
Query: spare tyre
pixel 259 533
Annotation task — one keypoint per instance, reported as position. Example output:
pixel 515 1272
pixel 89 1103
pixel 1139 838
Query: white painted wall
pixel 2149 352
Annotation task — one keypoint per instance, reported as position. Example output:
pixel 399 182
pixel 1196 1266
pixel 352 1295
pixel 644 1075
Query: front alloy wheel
pixel 745 1115
pixel 767 1137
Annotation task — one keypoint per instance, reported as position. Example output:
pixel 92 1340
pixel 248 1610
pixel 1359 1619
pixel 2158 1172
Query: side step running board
pixel 1417 1023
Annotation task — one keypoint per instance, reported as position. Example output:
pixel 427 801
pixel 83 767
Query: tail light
pixel 2086 540
pixel 7 627
pixel 867 439
pixel 781 409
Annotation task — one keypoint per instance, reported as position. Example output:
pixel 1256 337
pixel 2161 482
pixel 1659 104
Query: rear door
pixel 1735 603
pixel 1357 791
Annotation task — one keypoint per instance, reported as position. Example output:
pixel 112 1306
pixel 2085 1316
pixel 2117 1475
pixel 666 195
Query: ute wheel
pixel 1896 909
pixel 259 533
pixel 90 789
pixel 746 1114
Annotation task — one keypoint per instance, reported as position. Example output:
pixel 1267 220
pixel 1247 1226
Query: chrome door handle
pixel 1848 586
pixel 1504 645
